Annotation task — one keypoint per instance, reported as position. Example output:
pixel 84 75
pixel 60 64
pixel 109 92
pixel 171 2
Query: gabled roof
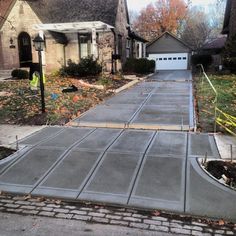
pixel 217 43
pixel 65 11
pixel 173 36
pixel 5 7
pixel 137 37
pixel 227 17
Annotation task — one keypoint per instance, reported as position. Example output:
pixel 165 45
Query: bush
pixel 20 74
pixel 86 67
pixel 139 66
pixel 205 60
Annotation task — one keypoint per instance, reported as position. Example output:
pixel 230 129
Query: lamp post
pixel 39 45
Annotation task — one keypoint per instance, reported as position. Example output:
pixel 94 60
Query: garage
pixel 169 53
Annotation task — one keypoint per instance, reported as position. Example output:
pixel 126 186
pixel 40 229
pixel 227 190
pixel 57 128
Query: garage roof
pixel 169 34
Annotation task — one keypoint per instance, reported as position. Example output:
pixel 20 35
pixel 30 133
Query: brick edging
pixel 146 220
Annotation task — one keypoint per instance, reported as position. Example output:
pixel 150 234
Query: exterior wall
pixel 22 19
pixel 232 24
pixel 121 28
pixel 72 49
pixel 167 44
pixel 105 49
pixel 1 55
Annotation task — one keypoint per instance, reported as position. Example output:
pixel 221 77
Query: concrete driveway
pixel 164 101
pixel 140 168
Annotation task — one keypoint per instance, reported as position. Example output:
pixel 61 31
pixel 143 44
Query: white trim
pixel 74 27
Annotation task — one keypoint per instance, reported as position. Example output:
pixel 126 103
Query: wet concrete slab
pixel 161 116
pixel 22 176
pixel 108 116
pixel 205 196
pixel 169 144
pixel 140 168
pixel 113 180
pixel 99 140
pixel 121 111
pixel 201 145
pixel 171 75
pixel 67 137
pixel 160 184
pixel 41 135
pixel 132 141
pixel 168 99
pixel 68 178
pixel 128 99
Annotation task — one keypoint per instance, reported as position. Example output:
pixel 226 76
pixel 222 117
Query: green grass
pixel 226 100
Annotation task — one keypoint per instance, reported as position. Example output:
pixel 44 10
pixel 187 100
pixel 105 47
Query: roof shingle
pixel 61 11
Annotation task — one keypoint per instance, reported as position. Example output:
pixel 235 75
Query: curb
pixel 132 83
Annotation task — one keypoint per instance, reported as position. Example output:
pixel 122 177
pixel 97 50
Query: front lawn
pixel 19 105
pixel 226 88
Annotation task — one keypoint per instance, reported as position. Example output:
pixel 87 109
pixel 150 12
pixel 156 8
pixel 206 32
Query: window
pixel 85 41
pixel 175 58
pixel 169 58
pixel 184 58
pixel 128 45
pixel 120 44
pixel 160 59
pixel 179 58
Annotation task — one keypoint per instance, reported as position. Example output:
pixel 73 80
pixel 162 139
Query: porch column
pixel 144 50
pixel 140 50
pixel 94 44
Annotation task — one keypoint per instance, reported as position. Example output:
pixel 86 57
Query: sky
pixel 137 5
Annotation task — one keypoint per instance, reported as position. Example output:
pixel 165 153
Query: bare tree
pixel 196 29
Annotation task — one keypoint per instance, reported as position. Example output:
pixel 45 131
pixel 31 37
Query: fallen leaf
pixel 221 222
pixel 156 213
pixel 27 197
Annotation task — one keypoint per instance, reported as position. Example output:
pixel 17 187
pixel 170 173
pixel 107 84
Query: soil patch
pixel 225 171
pixel 5 152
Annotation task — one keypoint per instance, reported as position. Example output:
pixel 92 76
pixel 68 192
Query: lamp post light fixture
pixel 39 45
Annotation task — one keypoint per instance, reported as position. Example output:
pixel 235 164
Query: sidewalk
pixel 8 133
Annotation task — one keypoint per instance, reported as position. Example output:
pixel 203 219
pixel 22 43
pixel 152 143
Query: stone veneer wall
pixel 22 19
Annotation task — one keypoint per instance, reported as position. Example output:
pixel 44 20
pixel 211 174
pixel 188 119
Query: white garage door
pixel 170 61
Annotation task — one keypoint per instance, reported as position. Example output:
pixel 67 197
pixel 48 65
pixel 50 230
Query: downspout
pixel 115 51
pixel 64 54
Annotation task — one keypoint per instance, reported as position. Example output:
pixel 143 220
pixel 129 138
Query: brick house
pixel 229 26
pixel 72 29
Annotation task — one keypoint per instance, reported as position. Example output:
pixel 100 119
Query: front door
pixel 25 50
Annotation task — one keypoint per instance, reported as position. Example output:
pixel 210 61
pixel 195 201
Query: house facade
pixel 72 29
pixel 229 26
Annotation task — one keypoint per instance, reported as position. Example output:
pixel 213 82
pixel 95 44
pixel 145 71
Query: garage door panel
pixel 170 61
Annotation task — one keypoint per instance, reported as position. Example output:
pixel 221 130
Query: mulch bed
pixel 225 171
pixel 5 152
pixel 19 105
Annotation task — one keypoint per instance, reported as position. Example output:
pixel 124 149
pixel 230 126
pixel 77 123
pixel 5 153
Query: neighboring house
pixel 229 26
pixel 72 29
pixel 214 48
pixel 169 52
pixel 138 46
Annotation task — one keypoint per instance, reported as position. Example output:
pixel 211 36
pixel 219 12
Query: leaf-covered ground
pixel 226 88
pixel 19 105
